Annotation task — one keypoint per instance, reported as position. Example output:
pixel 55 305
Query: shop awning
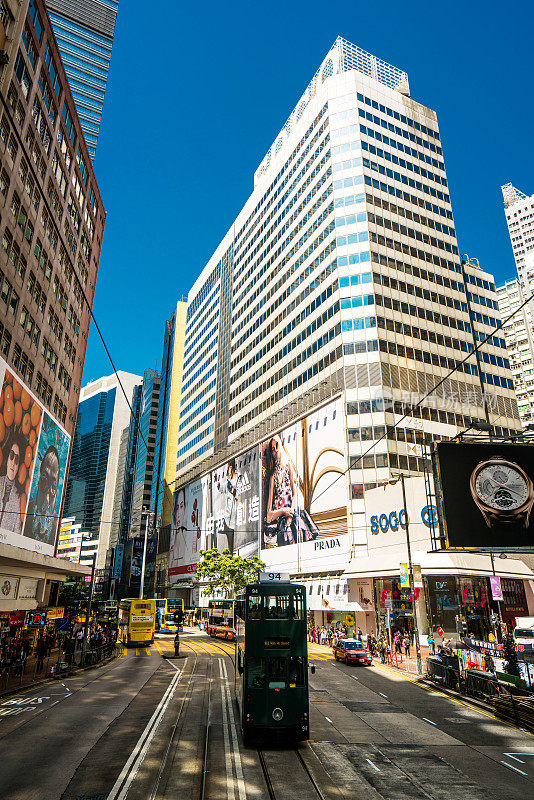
pixel 439 563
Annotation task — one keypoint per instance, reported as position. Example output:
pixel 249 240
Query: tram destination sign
pixel 269 577
pixel 486 495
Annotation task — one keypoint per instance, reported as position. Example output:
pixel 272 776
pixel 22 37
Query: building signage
pixel 404 576
pixel 486 494
pixel 34 618
pixel 27 589
pixel 35 451
pixel 496 588
pixel 8 587
pixel 54 613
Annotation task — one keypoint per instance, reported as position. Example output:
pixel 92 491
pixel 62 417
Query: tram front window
pixel 296 671
pixel 254 608
pixel 256 673
pixel 277 672
pixel 276 606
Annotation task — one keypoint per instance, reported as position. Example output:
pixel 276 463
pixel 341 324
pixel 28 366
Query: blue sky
pixel 197 95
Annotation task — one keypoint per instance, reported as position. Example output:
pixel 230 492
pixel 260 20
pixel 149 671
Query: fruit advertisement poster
pixel 34 452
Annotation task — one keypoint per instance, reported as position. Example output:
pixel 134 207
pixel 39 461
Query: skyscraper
pixel 519 337
pixel 93 480
pixel 84 32
pixel 519 211
pixel 336 297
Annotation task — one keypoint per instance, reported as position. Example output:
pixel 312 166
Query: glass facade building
pixel 84 32
pixel 84 495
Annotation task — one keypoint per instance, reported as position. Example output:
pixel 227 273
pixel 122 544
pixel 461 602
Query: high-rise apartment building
pixel 519 211
pixel 335 300
pixel 519 337
pixel 94 479
pixel 52 218
pixel 84 31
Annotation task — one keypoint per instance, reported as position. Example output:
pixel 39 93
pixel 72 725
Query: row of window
pixel 405 212
pixel 273 322
pixel 282 388
pixel 254 215
pixel 482 301
pixel 404 148
pixel 353 280
pixel 407 197
pixel 283 352
pixel 257 229
pixel 401 162
pixel 198 438
pixel 186 432
pixel 286 271
pixel 418 355
pixel 352 238
pixel 394 128
pixel 184 421
pixel 357 302
pixel 266 263
pixel 404 179
pixel 267 314
pixel 358 324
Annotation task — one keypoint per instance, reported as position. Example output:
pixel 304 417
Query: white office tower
pixel 337 288
pixel 519 210
pixel 519 337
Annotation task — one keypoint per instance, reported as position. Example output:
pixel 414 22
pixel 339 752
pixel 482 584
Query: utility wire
pixel 411 409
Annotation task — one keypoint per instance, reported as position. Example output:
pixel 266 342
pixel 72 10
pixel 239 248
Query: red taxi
pixel 352 651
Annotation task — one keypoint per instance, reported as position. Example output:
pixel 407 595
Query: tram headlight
pixel 278 714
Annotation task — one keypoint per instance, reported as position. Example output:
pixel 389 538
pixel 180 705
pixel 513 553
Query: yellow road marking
pixel 158 648
pixel 137 651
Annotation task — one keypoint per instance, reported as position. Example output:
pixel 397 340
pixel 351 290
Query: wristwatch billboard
pixel 503 492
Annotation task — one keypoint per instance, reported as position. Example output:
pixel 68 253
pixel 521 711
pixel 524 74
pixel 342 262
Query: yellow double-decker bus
pixel 169 615
pixel 137 622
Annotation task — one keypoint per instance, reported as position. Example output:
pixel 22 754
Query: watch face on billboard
pixel 487 494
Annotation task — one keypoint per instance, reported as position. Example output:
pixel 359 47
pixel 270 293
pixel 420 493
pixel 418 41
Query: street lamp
pixel 412 582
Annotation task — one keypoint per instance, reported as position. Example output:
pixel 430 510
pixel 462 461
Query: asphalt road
pixel 147 727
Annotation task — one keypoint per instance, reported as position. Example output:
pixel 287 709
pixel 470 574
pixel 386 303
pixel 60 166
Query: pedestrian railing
pixel 28 671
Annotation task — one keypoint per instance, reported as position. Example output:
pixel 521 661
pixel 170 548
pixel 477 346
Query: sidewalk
pixel 14 680
pixel 402 663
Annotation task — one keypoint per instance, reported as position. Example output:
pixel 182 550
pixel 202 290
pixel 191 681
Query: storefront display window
pixel 443 598
pixel 514 602
pixel 475 607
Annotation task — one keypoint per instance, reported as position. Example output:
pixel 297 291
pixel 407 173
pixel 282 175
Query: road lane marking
pixel 233 730
pixel 511 766
pixel 383 695
pixel 509 755
pixel 373 765
pixel 329 720
pixel 129 771
pixel 429 720
pixel 230 794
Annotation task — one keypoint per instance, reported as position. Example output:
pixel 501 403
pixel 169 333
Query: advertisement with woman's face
pixel 303 485
pixel 34 451
pixel 186 531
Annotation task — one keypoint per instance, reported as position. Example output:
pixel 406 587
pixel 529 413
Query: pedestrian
pixel 431 644
pixel 177 645
pixel 41 653
pixel 360 634
pixel 79 638
pixel 406 645
pixel 382 647
pixel 397 643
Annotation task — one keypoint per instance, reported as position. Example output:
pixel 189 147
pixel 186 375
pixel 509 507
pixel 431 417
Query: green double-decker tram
pixel 271 660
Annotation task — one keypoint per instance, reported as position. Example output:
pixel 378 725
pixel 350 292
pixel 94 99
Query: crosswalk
pixel 213 648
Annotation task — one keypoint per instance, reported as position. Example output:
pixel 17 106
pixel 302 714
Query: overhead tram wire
pixel 410 411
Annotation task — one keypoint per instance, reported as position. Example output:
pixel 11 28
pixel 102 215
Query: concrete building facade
pixel 335 302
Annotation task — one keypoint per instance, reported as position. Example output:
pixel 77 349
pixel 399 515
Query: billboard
pixel 233 505
pixel 34 451
pixel 188 515
pixel 486 495
pixel 302 480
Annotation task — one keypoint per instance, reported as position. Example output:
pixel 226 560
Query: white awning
pixel 440 562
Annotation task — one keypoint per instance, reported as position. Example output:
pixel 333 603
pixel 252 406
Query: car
pixel 352 651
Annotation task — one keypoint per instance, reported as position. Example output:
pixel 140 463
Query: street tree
pixel 227 573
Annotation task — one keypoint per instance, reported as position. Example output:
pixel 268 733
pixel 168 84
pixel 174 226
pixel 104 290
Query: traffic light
pixel 179 616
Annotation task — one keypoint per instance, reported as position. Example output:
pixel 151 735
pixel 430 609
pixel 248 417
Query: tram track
pixel 283 777
pixel 171 768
